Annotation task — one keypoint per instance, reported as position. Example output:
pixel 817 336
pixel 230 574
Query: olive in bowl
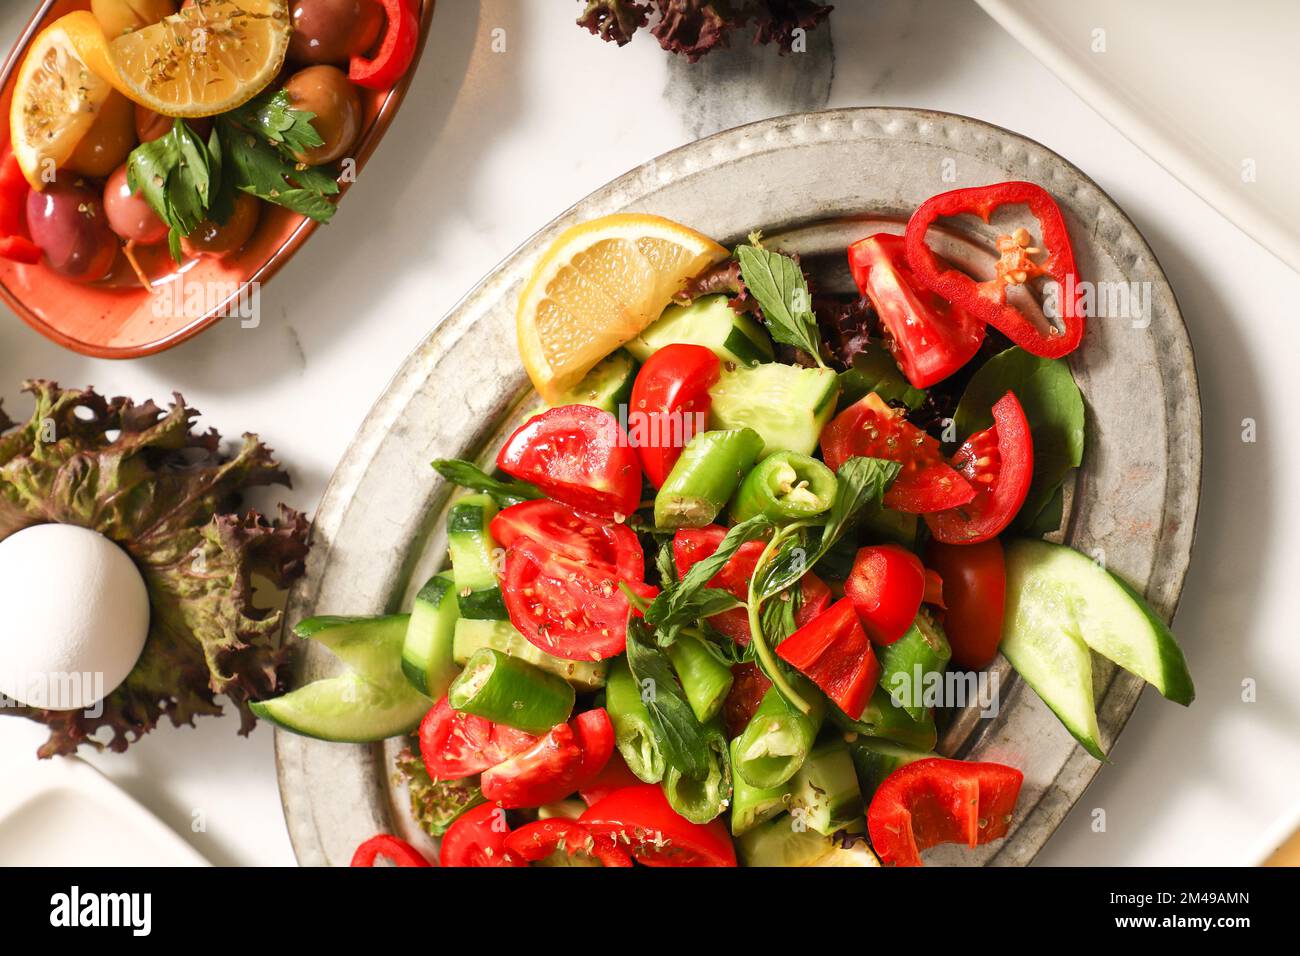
pixel 220 239
pixel 128 214
pixel 333 31
pixel 327 92
pixel 67 221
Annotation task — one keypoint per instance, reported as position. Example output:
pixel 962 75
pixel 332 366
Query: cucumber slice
pixel 473 633
pixel 474 558
pixel 787 405
pixel 606 386
pixel 779 843
pixel 732 336
pixel 883 719
pixel 427 658
pixel 876 759
pixel 1060 606
pixel 826 789
pixel 1109 616
pixel 373 702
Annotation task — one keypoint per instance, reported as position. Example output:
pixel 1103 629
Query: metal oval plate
pixel 813 182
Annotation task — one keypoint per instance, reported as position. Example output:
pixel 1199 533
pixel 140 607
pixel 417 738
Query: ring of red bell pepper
pixel 987 299
pixel 398 852
pixel 14 243
pixel 396 49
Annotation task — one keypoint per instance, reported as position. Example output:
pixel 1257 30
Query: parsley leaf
pixel 272 116
pixel 683 738
pixel 261 170
pixel 505 492
pixel 174 176
pixel 778 284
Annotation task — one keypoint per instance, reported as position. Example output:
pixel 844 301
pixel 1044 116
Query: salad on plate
pixel 704 609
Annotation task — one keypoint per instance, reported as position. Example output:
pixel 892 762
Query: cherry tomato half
pixel 544 773
pixel 541 838
pixel 999 463
pixel 478 838
pixel 928 337
pixel 886 586
pixel 873 429
pixel 455 744
pixel 576 454
pixel 670 402
pixel 641 820
pixel 568 608
pixel 974 592
pixel 574 534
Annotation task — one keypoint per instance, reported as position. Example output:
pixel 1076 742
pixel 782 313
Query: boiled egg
pixel 76 615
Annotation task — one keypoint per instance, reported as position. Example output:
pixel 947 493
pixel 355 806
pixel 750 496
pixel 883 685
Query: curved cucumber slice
pixel 779 843
pixel 787 405
pixel 709 321
pixel 1054 594
pixel 606 386
pixel 427 658
pixel 372 702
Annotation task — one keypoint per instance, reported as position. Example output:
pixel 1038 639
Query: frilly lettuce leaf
pixel 144 478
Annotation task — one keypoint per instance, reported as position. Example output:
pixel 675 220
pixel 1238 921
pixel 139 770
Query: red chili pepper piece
pixel 396 49
pixel 1016 265
pixel 397 852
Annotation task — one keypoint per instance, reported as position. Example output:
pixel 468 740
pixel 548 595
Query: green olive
pixel 327 92
pixel 221 239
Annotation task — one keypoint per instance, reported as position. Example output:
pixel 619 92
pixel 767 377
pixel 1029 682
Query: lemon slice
pixel 598 286
pixel 206 59
pixel 57 97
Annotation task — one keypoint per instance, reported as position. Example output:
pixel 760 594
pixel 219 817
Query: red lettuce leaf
pixel 142 477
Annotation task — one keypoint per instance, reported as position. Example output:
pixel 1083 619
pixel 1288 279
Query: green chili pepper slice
pixel 705 477
pixel 507 690
pixel 783 487
pixel 704 679
pixel 633 733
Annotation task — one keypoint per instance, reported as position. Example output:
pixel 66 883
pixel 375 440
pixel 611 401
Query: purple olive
pixel 67 221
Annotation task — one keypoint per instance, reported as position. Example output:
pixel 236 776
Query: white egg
pixel 76 615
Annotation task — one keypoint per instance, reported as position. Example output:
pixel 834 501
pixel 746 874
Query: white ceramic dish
pixel 1206 88
pixel 64 812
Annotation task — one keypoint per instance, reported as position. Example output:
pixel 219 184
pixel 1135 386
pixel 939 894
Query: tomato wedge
pixel 999 462
pixel 384 847
pixel 832 650
pixel 595 736
pixel 886 586
pixel 974 592
pixel 873 429
pixel 935 800
pixel 670 402
pixel 544 773
pixel 478 838
pixel 576 454
pixel 614 776
pixel 641 819
pixel 456 745
pixel 928 337
pixel 692 545
pixel 539 839
pixel 567 607
pixel 574 534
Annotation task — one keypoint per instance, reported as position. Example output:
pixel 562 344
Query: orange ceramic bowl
pixel 117 317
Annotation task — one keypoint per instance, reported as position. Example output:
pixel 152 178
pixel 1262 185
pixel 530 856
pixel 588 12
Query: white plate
pixel 64 812
pixel 1206 88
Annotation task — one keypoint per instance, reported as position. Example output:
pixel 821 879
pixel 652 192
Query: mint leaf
pixel 505 492
pixel 779 286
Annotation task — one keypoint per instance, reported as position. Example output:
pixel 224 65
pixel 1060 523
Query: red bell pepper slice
pixel 935 801
pixel 396 49
pixel 999 463
pixel 641 819
pixel 595 736
pixel 390 848
pixel 886 586
pixel 929 338
pixel 14 243
pixel 832 650
pixel 478 838
pixel 987 300
pixel 539 839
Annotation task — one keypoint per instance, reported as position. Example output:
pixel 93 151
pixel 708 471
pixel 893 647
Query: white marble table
pixel 491 145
